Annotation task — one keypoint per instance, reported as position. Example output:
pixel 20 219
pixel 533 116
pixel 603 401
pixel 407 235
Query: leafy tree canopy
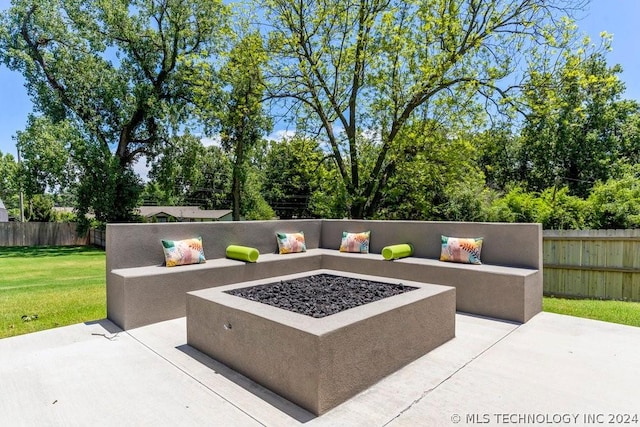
pixel 578 128
pixel 369 66
pixel 243 121
pixel 294 171
pixel 9 186
pixel 188 173
pixel 45 147
pixel 120 71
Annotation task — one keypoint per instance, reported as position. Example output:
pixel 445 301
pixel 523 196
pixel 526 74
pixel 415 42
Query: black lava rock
pixel 320 295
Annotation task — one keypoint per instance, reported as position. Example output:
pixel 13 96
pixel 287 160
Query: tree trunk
pixel 356 211
pixel 236 186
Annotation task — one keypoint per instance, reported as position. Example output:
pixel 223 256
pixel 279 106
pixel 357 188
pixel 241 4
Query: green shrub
pixel 561 211
pixel 615 204
pixel 553 208
pixel 516 206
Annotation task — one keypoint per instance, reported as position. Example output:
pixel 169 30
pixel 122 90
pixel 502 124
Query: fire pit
pixel 319 362
pixel 320 295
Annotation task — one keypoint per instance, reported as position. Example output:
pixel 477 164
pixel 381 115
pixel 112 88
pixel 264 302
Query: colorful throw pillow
pixel 289 243
pixel 183 252
pixel 355 242
pixel 459 249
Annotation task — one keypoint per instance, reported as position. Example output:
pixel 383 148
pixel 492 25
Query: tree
pixel 254 206
pixel 436 176
pixel 46 165
pixel 499 157
pixel 40 208
pixel 189 173
pixel 366 67
pixel 9 185
pixel 120 72
pixel 293 170
pixel 577 130
pixel 243 122
pixel 630 150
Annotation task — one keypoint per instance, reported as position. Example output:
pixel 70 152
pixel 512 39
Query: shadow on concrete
pixel 493 319
pixel 291 409
pixel 106 324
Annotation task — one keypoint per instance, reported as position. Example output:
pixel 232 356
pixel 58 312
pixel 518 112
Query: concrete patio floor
pixel 552 370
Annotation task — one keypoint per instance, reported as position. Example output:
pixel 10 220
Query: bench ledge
pixel 488 268
pixel 154 270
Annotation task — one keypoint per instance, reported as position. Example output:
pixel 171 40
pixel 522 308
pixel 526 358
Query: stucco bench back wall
pixel 513 245
pixel 135 245
pixel 140 290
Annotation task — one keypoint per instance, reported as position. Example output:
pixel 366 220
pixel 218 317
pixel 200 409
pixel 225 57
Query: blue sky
pixel 618 17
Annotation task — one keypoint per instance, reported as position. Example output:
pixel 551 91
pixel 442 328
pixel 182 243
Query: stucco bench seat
pixel 155 270
pixel 156 293
pixel 141 291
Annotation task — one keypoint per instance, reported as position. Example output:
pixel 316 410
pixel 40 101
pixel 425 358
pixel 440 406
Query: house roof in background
pixel 191 212
pixel 64 209
pixel 183 212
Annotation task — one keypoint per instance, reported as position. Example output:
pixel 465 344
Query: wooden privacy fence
pixel 592 263
pixel 98 238
pixel 40 234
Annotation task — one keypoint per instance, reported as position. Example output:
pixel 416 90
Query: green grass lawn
pixel 50 287
pixel 624 312
pixel 46 287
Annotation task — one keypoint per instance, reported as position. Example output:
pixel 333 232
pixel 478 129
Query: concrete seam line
pixel 429 391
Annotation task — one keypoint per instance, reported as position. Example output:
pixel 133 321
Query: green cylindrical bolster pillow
pixel 242 253
pixel 397 251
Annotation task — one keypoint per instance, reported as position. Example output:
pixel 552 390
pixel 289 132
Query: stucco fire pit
pixel 319 363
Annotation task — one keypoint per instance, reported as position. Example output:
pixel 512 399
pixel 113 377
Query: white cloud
pixel 281 134
pixel 208 141
pixel 140 167
pixel 372 135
